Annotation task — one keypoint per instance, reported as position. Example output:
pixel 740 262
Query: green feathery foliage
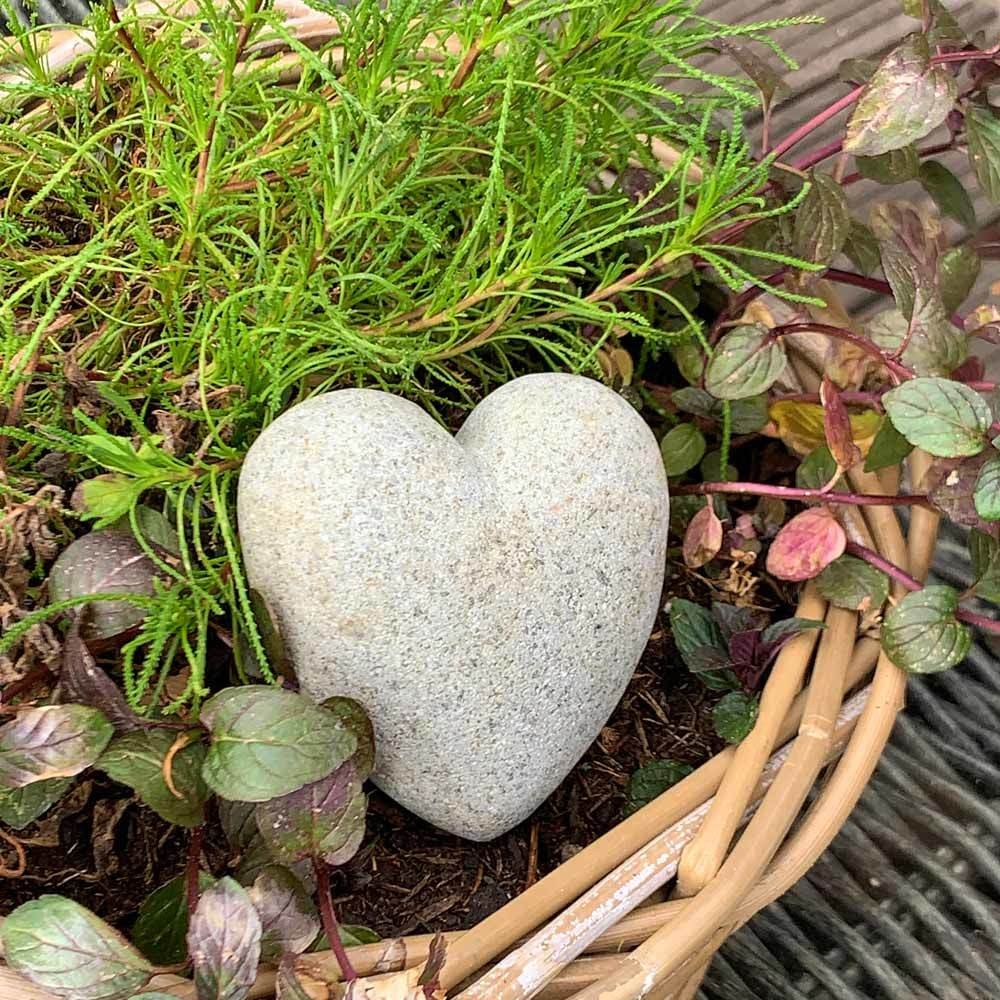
pixel 205 220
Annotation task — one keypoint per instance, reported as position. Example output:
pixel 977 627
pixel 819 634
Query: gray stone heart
pixel 485 596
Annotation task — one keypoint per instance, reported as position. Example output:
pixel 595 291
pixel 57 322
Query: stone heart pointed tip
pixel 485 596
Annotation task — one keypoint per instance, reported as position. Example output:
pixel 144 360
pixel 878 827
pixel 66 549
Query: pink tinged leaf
pixel 837 425
pixel 806 545
pixel 703 538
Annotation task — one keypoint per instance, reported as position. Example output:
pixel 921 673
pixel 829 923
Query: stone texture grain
pixel 485 596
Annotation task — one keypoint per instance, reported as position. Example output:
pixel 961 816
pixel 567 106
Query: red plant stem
pixel 816 121
pixel 904 579
pixel 981 385
pixel 795 493
pixel 839 277
pixel 873 398
pixel 819 155
pixel 879 562
pixel 192 886
pixel 330 925
pixel 897 369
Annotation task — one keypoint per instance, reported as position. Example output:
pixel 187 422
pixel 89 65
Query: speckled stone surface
pixel 485 596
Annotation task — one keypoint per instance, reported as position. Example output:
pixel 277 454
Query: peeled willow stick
pixel 704 855
pixel 684 937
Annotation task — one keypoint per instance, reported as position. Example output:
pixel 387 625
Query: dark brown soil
pixel 102 848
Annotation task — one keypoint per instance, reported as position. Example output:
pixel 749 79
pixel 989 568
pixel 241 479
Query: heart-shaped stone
pixel 485 596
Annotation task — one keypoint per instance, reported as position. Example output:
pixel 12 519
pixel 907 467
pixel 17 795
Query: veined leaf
pixel 652 780
pixel 694 628
pixel 21 806
pixel 54 741
pixel 268 742
pixel 888 449
pixel 945 418
pixel 324 819
pixel 853 584
pixel 138 760
pixel 921 634
pixel 735 715
pixel 987 493
pixel 287 913
pixel 65 949
pixel 823 220
pixel 985 552
pixel 894 167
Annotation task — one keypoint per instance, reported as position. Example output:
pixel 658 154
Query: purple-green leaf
pixel 853 584
pixel 161 929
pixel 945 418
pixel 352 716
pixel 288 918
pixel 64 948
pixel 54 741
pixel 822 221
pixel 948 192
pixel 983 135
pixel 224 942
pixel 905 100
pixel 747 361
pixel 137 759
pixel 324 819
pixel 83 682
pixel 268 742
pixel 909 246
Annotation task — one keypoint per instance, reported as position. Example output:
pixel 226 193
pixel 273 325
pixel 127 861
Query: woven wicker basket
pixel 731 837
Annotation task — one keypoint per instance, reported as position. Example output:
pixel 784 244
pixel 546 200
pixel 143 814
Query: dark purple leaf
pixel 732 618
pixel 744 649
pixel 705 658
pixel 224 942
pixel 324 819
pixel 352 716
pixel 104 562
pixel 83 682
pixel 950 484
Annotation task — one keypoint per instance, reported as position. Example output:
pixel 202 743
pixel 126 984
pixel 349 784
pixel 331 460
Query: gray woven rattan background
pixel 905 905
